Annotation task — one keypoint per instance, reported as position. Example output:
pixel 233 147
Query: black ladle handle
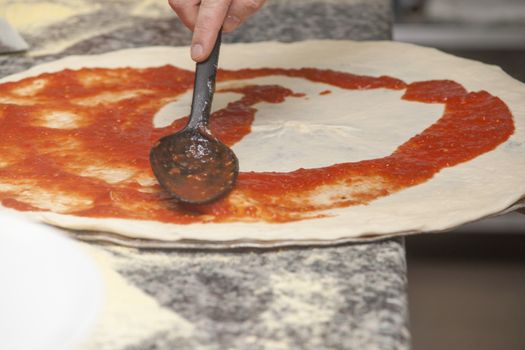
pixel 204 87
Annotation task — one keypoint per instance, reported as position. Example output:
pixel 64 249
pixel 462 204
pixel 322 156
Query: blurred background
pixel 467 287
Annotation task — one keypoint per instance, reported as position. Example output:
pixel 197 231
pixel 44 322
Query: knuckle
pixel 205 24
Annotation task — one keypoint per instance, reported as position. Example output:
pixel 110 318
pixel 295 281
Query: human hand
pixel 206 17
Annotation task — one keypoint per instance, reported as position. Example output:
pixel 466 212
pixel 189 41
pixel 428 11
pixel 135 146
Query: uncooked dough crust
pixel 343 126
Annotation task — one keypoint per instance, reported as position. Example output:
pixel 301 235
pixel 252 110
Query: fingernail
pixel 196 51
pixel 231 23
pixel 233 19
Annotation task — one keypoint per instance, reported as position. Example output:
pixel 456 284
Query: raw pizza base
pixel 366 124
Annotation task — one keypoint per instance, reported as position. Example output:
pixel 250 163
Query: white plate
pixel 51 290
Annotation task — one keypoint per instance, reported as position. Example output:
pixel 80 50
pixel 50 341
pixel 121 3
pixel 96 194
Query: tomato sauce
pixel 62 141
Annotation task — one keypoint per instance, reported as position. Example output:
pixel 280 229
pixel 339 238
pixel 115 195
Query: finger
pixel 209 22
pixel 187 11
pixel 239 11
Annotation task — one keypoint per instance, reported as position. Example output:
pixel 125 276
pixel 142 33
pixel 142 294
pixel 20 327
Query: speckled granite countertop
pixel 345 297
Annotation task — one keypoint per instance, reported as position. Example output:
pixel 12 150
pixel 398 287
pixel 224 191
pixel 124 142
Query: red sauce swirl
pixel 105 117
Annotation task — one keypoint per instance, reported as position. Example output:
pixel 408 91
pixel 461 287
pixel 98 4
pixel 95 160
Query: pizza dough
pixel 320 129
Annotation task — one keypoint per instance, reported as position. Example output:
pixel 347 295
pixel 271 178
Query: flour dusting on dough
pixel 129 315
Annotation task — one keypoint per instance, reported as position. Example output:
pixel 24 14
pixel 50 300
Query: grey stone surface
pixel 279 20
pixel 344 297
